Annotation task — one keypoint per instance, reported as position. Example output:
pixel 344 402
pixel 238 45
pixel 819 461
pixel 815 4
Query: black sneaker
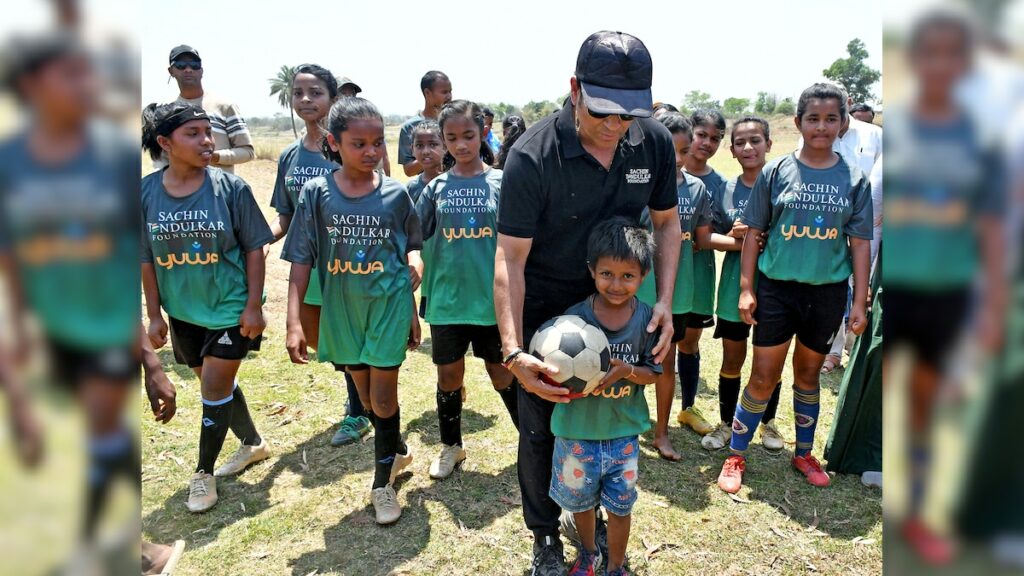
pixel 548 557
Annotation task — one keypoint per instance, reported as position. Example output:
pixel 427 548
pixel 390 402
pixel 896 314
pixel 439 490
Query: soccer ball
pixel 579 350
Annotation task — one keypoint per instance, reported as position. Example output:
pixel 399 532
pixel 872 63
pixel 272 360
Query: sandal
pixel 831 363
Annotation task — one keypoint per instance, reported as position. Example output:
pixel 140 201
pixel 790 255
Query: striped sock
pixel 744 424
pixel 806 406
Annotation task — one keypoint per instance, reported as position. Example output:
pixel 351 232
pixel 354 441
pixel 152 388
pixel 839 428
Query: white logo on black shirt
pixel 638 176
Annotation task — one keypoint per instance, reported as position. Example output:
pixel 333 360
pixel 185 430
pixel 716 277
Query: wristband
pixel 507 361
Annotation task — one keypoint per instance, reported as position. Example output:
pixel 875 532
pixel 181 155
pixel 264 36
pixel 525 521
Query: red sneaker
pixel 731 478
pixel 812 470
pixel 934 549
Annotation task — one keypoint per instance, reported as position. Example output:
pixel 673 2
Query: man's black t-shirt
pixel 555 192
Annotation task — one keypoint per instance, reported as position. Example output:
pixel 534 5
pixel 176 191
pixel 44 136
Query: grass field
pixel 306 510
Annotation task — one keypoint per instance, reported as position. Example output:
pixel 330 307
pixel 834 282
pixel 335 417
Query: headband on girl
pixel 179 116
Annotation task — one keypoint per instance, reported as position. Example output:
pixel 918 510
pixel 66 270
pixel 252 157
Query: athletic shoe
pixel 548 557
pixel 718 438
pixel 202 492
pixel 385 505
pixel 811 469
pixel 587 563
pixel 770 436
pixel 933 548
pixel 694 419
pixel 620 571
pixel 731 478
pixel 402 461
pixel 350 430
pixel 443 466
pixel 243 458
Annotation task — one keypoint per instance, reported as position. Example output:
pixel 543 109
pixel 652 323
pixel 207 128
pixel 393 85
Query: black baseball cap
pixel 614 71
pixel 183 49
pixel 346 81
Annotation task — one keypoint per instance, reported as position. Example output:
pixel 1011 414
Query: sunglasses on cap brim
pixel 602 116
pixel 182 64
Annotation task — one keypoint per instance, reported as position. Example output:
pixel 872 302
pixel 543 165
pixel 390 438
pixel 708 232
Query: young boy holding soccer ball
pixel 596 437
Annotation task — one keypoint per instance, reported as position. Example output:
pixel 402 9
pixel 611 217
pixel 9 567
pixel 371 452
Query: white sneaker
pixel 243 457
pixel 770 436
pixel 443 466
pixel 402 461
pixel 385 505
pixel 718 438
pixel 202 492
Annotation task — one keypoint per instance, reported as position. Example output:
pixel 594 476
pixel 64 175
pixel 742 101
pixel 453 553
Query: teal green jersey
pixel 459 218
pixel 360 248
pixel 72 232
pixel 704 260
pixel 620 409
pixel 808 213
pixel 198 245
pixel 694 208
pixel 726 208
pixel 295 167
pixel 942 178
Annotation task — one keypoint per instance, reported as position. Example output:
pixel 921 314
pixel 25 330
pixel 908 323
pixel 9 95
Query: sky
pixel 493 52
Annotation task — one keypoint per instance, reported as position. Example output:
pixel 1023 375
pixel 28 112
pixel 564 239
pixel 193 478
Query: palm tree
pixel 281 86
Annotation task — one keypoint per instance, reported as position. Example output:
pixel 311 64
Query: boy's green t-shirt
pixel 198 245
pixel 620 410
pixel 459 218
pixel 808 213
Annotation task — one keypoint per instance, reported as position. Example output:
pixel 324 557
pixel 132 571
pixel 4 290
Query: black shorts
pixel 423 307
pixel 71 364
pixel 811 312
pixel 449 342
pixel 680 322
pixel 729 330
pixel 930 322
pixel 192 343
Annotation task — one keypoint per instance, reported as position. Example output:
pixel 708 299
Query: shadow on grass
pixel 357 545
pixel 472 422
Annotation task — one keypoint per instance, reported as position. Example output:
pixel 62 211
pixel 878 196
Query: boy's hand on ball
pixel 527 370
pixel 616 372
pixel 251 322
pixel 157 332
pixel 295 342
pixel 858 320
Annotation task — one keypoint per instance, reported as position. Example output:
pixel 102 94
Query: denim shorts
pixel 587 472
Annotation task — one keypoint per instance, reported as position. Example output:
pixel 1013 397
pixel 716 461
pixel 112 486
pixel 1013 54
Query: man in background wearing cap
pixel 232 143
pixel 347 88
pixel 601 156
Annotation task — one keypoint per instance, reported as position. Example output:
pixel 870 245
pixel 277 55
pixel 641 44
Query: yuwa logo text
pixel 468 233
pixel 193 259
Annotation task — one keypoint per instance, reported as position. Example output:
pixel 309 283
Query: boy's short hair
pixel 428 80
pixel 621 239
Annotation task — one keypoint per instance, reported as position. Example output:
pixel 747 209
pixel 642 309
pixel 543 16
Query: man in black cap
pixel 232 143
pixel 601 156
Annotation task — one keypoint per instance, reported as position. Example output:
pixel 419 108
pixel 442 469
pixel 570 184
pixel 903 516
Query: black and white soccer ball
pixel 579 350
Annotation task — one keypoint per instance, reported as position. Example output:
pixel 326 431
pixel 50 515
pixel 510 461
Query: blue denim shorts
pixel 587 472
